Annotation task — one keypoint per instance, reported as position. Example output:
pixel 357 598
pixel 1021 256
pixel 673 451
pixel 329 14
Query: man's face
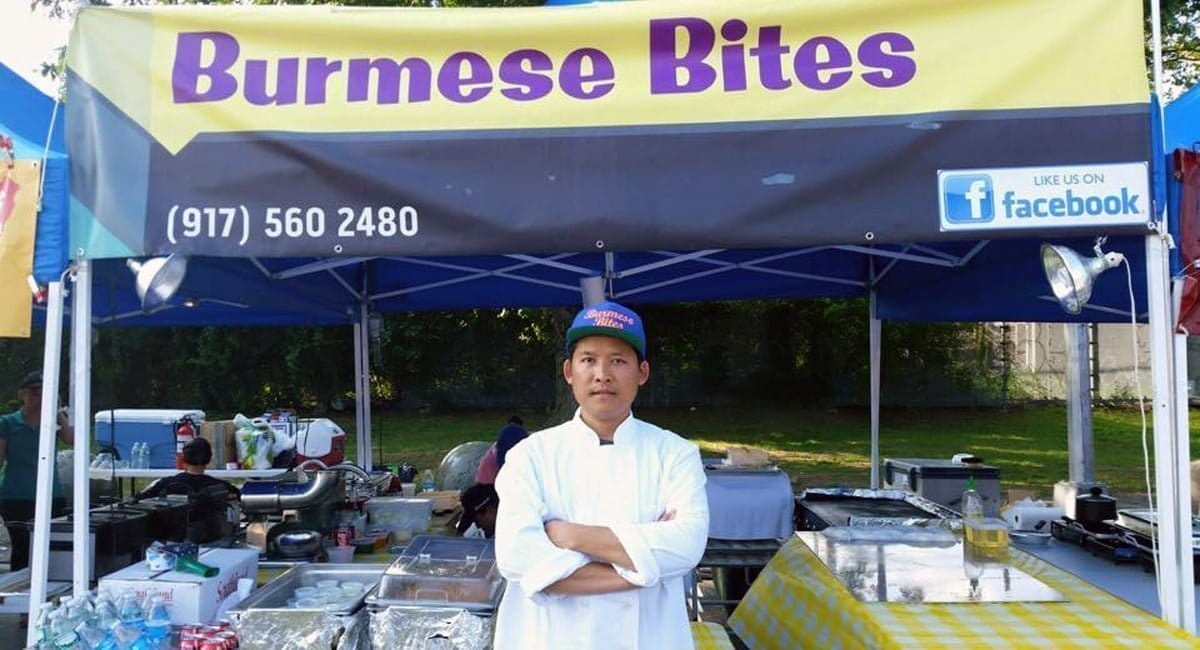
pixel 31 398
pixel 605 375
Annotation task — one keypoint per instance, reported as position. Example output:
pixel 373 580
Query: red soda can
pixel 229 638
pixel 212 644
pixel 343 536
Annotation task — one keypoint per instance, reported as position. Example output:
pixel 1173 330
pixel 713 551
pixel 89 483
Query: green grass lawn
pixel 822 448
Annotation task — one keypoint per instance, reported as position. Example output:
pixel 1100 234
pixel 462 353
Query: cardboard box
pixel 193 599
pixel 1017 494
pixel 220 434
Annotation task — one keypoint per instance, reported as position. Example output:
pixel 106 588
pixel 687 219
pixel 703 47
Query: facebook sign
pixel 1013 198
pixel 968 197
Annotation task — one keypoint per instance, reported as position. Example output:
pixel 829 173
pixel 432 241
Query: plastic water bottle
pixel 45 632
pixel 129 610
pixel 63 633
pixel 158 623
pixel 427 483
pixel 79 610
pixel 106 623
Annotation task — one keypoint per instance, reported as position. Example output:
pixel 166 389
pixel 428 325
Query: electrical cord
pixel 46 154
pixel 1141 394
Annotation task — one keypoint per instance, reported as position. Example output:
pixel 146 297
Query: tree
pixel 1180 41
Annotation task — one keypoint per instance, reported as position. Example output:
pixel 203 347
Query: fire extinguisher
pixel 184 433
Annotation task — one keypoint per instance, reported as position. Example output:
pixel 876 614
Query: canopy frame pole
pixel 364 339
pixel 40 539
pixel 875 330
pixel 1172 479
pixel 359 335
pixel 81 408
pixel 1081 462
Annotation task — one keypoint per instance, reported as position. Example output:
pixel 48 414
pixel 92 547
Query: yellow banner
pixel 183 71
pixel 18 221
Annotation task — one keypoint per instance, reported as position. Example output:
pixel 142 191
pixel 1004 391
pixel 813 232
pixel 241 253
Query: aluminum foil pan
pixel 917 501
pixel 289 629
pixel 429 628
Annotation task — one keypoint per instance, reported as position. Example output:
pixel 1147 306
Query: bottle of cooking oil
pixel 985 534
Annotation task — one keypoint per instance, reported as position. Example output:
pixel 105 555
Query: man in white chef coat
pixel 602 517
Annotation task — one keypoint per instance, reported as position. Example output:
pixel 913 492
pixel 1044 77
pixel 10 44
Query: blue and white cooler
pixel 120 428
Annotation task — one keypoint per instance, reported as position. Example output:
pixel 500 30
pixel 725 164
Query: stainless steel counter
pixel 925 572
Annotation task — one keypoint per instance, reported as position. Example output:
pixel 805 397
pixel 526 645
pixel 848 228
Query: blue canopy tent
pixel 861 251
pixel 35 124
pixel 933 282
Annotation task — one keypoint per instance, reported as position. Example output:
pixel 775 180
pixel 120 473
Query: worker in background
pixel 480 504
pixel 210 496
pixel 19 448
pixel 493 459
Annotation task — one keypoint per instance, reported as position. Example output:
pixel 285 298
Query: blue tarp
pixel 27 116
pixel 1182 118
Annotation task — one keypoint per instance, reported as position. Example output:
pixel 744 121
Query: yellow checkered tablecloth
pixel 797 603
pixel 710 636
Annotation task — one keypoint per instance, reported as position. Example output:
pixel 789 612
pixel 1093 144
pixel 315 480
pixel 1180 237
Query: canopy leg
pixel 40 539
pixel 81 407
pixel 876 344
pixel 1176 592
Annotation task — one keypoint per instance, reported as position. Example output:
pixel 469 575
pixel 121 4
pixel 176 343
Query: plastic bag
pixel 255 442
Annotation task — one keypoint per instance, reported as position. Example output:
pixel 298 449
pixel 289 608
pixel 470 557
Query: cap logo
pixel 609 318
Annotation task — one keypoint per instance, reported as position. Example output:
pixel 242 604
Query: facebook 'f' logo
pixel 968 198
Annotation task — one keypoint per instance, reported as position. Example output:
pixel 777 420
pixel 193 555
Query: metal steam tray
pixel 275 594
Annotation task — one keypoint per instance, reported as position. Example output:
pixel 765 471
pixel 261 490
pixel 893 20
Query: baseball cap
pixel 31 380
pixel 609 319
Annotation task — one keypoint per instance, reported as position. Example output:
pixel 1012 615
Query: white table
pixel 746 504
pixel 99 473
pixel 748 512
pixel 224 474
pixel 14 591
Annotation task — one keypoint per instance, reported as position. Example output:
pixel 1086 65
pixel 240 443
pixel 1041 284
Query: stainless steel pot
pixel 296 543
pixel 1095 508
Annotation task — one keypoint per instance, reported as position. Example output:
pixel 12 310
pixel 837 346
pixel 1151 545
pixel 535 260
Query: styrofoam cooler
pixel 120 428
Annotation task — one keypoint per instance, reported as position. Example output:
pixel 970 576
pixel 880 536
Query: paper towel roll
pixel 1031 517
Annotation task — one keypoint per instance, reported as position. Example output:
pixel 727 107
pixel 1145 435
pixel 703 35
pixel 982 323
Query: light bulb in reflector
pixel 157 279
pixel 1072 276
